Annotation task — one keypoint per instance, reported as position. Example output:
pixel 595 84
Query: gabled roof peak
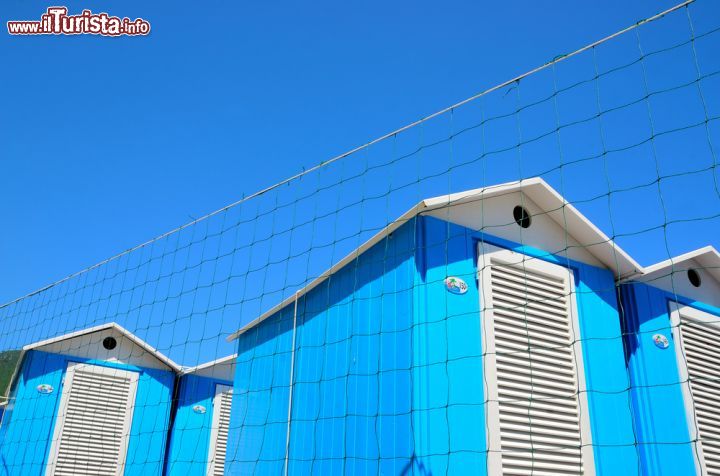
pixel 693 275
pixel 223 361
pixel 707 257
pixel 588 236
pixel 104 327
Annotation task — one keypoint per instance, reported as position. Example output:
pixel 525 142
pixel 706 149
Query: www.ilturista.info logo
pixel 57 22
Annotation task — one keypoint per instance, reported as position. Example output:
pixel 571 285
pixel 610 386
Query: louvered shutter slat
pixel 536 371
pixel 542 365
pixel 511 308
pixel 699 343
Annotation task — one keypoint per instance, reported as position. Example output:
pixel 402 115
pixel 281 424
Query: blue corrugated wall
pixel 388 367
pixel 352 387
pixel 28 425
pixel 256 437
pixel 662 426
pixel 190 434
pixel 448 401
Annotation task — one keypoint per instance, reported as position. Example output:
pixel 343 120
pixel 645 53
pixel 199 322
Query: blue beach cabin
pixel 97 401
pixel 478 333
pixel 198 439
pixel 672 315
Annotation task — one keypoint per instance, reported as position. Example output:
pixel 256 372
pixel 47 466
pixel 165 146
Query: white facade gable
pixel 88 344
pixel 672 275
pixel 221 369
pixel 556 227
pixel 494 216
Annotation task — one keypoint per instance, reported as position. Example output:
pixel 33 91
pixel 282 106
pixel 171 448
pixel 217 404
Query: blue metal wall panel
pixel 258 420
pixel 663 432
pixel 352 384
pixel 150 424
pixel 448 404
pixel 28 425
pixel 189 443
pixel 30 418
pixel 607 378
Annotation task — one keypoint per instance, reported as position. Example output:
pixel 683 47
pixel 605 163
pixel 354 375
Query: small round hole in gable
pixel 694 278
pixel 521 216
pixel 109 343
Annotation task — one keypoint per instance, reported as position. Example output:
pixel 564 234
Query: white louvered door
pixel 91 431
pixel 537 411
pixel 699 362
pixel 222 404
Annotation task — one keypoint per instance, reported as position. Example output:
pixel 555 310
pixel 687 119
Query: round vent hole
pixel 109 343
pixel 694 278
pixel 521 216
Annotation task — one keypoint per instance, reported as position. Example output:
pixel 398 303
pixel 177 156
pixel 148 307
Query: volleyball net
pixel 473 293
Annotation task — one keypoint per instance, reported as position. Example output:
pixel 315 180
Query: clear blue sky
pixel 107 142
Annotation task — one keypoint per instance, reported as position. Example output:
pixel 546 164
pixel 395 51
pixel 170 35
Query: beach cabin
pixel 477 334
pixel 198 438
pixel 96 401
pixel 672 316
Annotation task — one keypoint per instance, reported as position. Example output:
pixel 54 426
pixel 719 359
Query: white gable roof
pixel 223 368
pixel 671 275
pixel 557 227
pixel 87 343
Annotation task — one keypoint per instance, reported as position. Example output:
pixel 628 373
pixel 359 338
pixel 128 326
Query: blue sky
pixel 108 142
